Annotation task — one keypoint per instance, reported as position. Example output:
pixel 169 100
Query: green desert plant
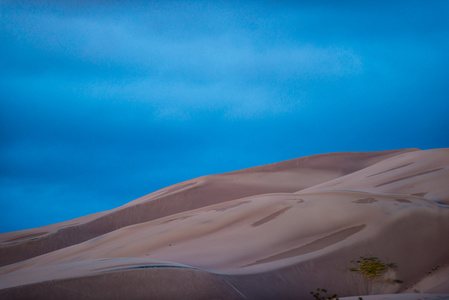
pixel 321 294
pixel 372 267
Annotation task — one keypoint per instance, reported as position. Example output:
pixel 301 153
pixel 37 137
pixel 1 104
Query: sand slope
pixel 271 232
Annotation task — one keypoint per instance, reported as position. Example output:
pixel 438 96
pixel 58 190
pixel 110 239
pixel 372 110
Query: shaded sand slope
pixel 420 173
pixel 271 232
pixel 288 176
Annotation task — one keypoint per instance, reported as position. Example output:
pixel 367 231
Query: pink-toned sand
pixel 277 231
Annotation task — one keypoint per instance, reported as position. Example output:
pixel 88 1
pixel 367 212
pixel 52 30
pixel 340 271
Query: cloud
pixel 101 58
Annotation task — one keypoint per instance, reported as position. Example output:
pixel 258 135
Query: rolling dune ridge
pixel 277 231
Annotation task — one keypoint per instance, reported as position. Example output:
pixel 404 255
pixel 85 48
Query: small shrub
pixel 321 294
pixel 372 267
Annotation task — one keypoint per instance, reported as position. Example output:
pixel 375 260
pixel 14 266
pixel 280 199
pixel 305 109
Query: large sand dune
pixel 277 231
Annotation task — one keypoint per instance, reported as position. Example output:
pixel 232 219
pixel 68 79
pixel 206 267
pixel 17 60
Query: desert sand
pixel 277 231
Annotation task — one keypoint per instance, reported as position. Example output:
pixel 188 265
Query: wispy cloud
pixel 176 77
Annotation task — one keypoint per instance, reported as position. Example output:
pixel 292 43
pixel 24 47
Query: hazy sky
pixel 103 102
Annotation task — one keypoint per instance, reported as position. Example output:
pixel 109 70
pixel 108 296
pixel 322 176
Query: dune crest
pixel 277 231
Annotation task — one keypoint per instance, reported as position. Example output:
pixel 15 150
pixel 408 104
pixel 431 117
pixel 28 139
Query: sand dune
pixel 277 231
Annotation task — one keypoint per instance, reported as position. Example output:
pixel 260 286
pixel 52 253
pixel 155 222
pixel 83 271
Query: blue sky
pixel 104 102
